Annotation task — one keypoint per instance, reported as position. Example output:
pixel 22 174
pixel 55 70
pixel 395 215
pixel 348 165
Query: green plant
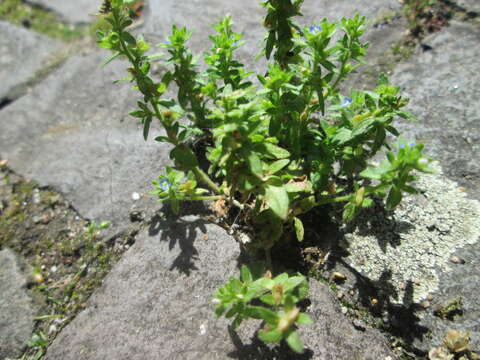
pixel 38 344
pixel 279 297
pixel 279 147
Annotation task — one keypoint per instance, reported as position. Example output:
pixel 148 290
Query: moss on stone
pixel 39 20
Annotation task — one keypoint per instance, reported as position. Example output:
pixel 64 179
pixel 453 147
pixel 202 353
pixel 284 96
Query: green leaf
pixel 304 319
pixel 372 173
pixel 277 199
pixel 295 343
pixel 349 212
pixel 276 151
pixel 185 157
pixel 394 197
pixel 270 44
pixel 271 336
pixel 265 283
pixel 278 165
pixel 299 230
pixel 259 312
pixel 268 299
pixel 246 274
pixel 255 164
pixel 146 126
pixel 292 283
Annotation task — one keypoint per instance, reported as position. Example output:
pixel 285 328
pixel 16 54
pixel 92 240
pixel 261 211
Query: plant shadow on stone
pixel 399 319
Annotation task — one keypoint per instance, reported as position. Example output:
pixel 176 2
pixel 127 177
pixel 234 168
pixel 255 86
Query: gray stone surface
pixel 248 17
pixel 76 11
pixel 407 255
pixel 16 308
pixel 442 84
pixel 469 5
pixel 73 132
pixel 22 54
pixel 155 304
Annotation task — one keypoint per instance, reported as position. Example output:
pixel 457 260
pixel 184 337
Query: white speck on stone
pixel 203 329
pixel 135 196
pixel 52 329
pixel 418 239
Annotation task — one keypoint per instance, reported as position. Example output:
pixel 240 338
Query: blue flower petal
pixel 346 101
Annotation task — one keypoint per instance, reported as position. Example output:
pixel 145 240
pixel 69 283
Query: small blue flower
pixel 314 29
pixel 402 146
pixel 346 101
pixel 164 184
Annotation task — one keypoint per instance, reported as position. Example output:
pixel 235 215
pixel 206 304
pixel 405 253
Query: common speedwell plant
pixel 278 147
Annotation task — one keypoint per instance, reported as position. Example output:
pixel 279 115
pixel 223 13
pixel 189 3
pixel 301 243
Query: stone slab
pixel 406 255
pixel 22 54
pixel 73 132
pixel 155 304
pixel 16 307
pixel 248 17
pixel 75 11
pixel 469 5
pixel 442 84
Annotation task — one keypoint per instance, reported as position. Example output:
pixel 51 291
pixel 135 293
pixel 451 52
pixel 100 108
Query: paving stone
pixel 22 54
pixel 469 5
pixel 442 84
pixel 73 132
pixel 248 17
pixel 16 308
pixel 76 11
pixel 155 304
pixel 406 255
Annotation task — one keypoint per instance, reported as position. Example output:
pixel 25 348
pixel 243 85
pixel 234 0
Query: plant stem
pixel 333 200
pixel 268 257
pixel 202 177
pixel 207 198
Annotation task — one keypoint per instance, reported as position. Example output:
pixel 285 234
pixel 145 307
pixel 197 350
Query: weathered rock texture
pixel 16 308
pixel 76 11
pixel 22 54
pixel 442 84
pixel 73 132
pixel 155 304
pixel 406 255
pixel 248 19
pixel 469 5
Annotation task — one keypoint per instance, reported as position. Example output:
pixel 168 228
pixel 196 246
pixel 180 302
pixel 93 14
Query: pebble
pixel 344 310
pixel 136 216
pixel 338 277
pixel 38 278
pixel 52 329
pixel 53 269
pixel 357 324
pixel 36 198
pixel 457 260
pixel 425 304
pixel 135 196
pixel 203 329
pixel 44 219
pixel 3 163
